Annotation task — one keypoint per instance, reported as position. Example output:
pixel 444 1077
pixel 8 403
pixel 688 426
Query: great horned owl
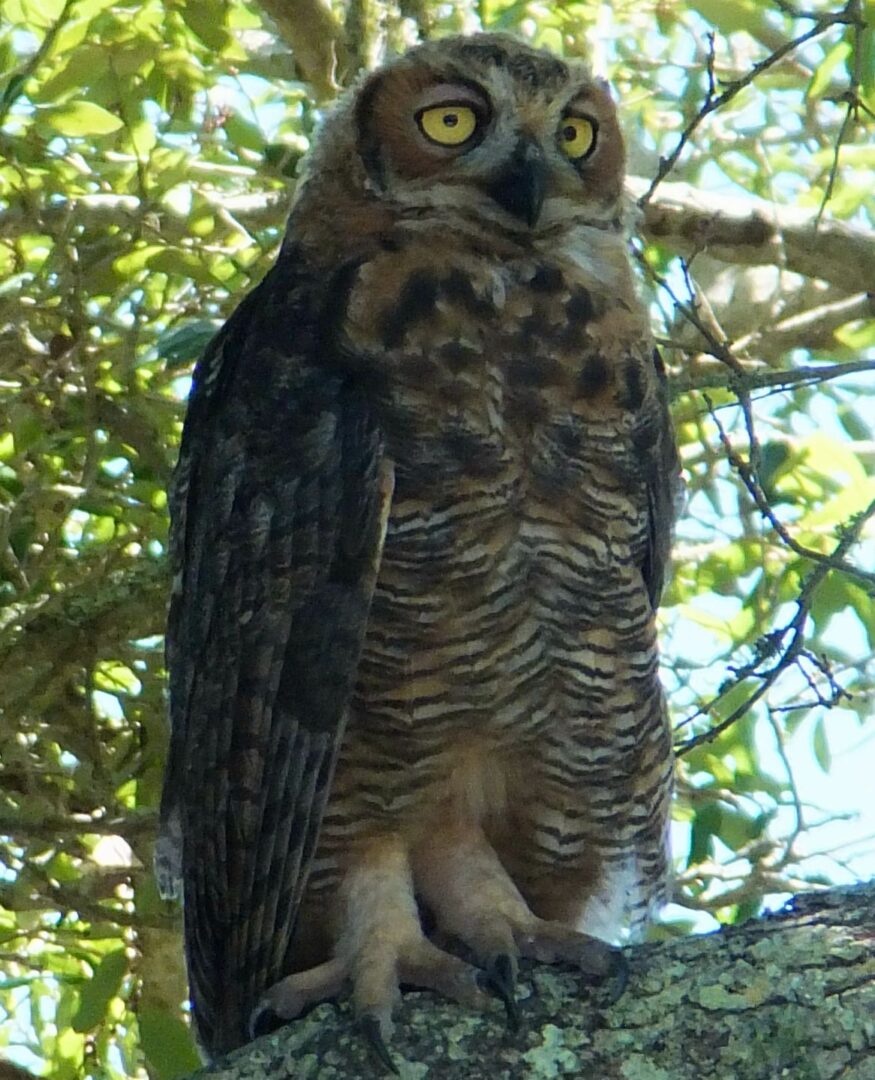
pixel 421 519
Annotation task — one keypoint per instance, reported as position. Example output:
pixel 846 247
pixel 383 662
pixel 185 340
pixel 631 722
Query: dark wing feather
pixel 664 487
pixel 278 507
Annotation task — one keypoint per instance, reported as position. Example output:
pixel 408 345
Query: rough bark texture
pixel 789 995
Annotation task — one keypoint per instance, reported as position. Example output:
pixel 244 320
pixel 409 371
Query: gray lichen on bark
pixel 789 995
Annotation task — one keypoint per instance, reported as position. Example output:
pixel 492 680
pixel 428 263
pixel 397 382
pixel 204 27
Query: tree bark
pixel 789 995
pixel 751 231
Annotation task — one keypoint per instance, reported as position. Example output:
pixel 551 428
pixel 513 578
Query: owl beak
pixel 521 185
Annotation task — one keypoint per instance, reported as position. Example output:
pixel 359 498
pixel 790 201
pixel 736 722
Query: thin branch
pixel 773 644
pixel 53 828
pixel 832 561
pixel 852 111
pixel 16 83
pixel 809 329
pixel 799 826
pixel 66 899
pixel 714 377
pixel 315 36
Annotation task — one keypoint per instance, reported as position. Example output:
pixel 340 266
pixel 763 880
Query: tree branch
pixel 751 231
pixel 791 994
pixel 316 39
pixel 48 630
pixel 742 230
pixel 143 823
pixel 715 376
pixel 771 649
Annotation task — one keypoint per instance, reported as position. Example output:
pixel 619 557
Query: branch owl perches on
pixel 421 519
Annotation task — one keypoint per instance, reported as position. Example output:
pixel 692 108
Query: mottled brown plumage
pixel 420 525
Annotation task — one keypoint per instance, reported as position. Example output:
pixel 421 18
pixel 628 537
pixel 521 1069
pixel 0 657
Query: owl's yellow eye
pixel 448 125
pixel 577 137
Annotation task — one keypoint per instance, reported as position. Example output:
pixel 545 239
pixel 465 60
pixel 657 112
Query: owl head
pixel 482 130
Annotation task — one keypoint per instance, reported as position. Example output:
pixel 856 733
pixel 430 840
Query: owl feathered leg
pixel 474 899
pixel 380 946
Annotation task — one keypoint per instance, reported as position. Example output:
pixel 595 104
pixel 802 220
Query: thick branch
pixel 55 629
pixel 791 994
pixel 316 38
pixel 753 232
pixel 743 230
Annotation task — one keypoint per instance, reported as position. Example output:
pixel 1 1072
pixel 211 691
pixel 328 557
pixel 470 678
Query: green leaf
pixel 135 260
pixel 820 745
pixel 737 829
pixel 143 138
pixel 80 118
pixel 731 16
pixel 207 21
pixel 181 346
pixel 99 990
pixel 167 1043
pixel 838 54
pixel 244 133
pixel 175 260
pixel 11 91
pixel 705 824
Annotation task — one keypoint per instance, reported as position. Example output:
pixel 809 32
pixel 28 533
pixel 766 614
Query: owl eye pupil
pixel 569 133
pixel 448 124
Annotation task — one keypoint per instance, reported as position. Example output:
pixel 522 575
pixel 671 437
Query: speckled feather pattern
pixel 421 521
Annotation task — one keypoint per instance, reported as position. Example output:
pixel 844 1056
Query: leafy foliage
pixel 147 154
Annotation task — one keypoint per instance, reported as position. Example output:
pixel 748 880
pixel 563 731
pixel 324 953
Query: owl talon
pixel 500 978
pixel 371 1028
pixel 296 993
pixel 615 981
pixel 263 1020
pixel 553 942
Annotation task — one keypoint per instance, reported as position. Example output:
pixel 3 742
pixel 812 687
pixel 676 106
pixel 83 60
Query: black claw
pixel 263 1020
pixel 370 1028
pixel 615 981
pixel 500 978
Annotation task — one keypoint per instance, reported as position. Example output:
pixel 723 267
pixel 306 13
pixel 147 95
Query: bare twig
pixel 772 647
pixel 53 828
pixel 799 825
pixel 853 107
pixel 713 376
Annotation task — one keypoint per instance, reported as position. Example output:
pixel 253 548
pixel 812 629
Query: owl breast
pixel 522 401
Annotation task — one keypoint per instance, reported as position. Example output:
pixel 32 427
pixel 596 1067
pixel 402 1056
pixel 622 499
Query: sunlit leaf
pixel 185 344
pixel 167 1044
pixel 820 745
pixel 81 118
pixel 96 994
pixel 705 824
pixel 823 76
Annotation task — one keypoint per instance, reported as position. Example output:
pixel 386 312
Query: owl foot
pixel 381 972
pixel 293 995
pixel 381 947
pixel 554 943
pixel 474 899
